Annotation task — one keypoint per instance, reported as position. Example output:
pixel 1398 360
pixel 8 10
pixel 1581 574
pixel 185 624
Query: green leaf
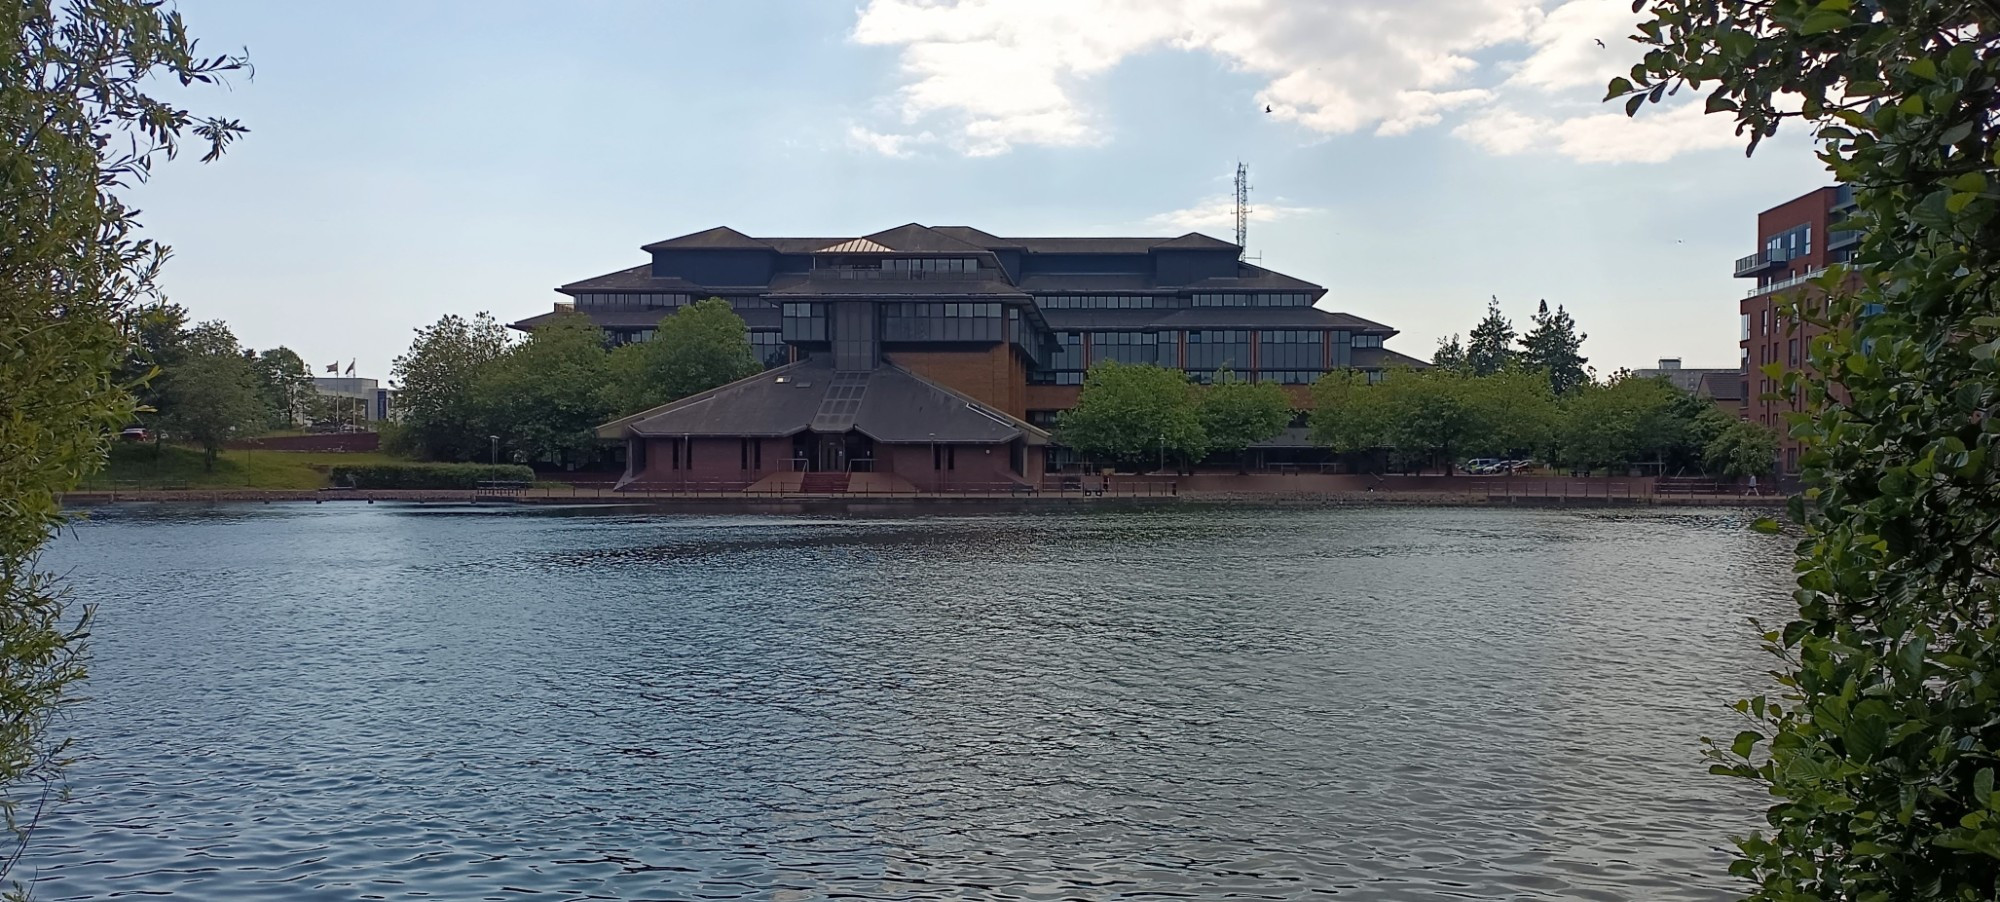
pixel 1821 21
pixel 1619 87
pixel 1956 133
pixel 1739 43
pixel 1745 742
pixel 1765 525
pixel 1959 200
pixel 1924 67
pixel 1982 787
pixel 1971 181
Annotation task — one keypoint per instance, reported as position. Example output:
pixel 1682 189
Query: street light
pixel 496 448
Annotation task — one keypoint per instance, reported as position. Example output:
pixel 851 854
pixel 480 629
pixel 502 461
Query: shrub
pixel 428 476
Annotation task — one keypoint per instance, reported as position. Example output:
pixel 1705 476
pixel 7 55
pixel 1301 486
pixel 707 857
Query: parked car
pixel 1480 466
pixel 135 434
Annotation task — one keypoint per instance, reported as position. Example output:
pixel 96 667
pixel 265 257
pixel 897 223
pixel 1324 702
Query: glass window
pixel 1281 350
pixel 1212 349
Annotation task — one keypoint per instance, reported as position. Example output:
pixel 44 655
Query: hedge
pixel 427 476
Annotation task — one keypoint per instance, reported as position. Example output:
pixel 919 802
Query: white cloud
pixel 986 76
pixel 888 145
pixel 1219 212
pixel 1656 135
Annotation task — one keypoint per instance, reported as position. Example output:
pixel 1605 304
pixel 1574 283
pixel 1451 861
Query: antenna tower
pixel 1242 206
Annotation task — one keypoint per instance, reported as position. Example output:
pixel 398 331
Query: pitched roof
pixel 1721 385
pixel 1383 358
pixel 1210 318
pixel 894 406
pixel 970 235
pixel 637 278
pixel 1687 380
pixel 718 238
pixel 1197 241
pixel 855 246
pixel 916 239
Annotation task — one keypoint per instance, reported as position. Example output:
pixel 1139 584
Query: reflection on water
pixel 394 702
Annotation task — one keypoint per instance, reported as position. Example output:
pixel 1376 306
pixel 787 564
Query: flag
pixel 350 367
pixel 333 367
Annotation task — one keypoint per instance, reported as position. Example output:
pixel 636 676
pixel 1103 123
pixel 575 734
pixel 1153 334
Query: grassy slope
pixel 134 466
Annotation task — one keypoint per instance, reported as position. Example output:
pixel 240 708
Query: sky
pixel 411 160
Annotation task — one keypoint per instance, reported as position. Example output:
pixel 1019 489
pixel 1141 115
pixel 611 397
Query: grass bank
pixel 146 466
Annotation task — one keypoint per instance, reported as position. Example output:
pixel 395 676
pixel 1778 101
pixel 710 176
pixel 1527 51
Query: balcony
pixel 1792 282
pixel 1837 240
pixel 1758 262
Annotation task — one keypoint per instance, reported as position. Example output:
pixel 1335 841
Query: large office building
pixel 938 357
pixel 1796 243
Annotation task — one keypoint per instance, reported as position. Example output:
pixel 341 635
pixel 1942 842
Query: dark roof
pixel 755 318
pixel 1197 241
pixel 917 239
pixel 637 278
pixel 718 238
pixel 970 235
pixel 895 407
pixel 1383 358
pixel 829 282
pixel 1210 318
pixel 1687 380
pixel 1248 278
pixel 1722 385
pixel 1084 245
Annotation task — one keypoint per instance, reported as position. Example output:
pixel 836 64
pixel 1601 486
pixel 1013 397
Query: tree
pixel 1741 449
pixel 435 380
pixel 1133 415
pixel 1490 347
pixel 696 348
pixel 1450 355
pixel 546 396
pixel 79 129
pixel 1236 414
pixel 1628 421
pixel 1434 416
pixel 1555 347
pixel 285 385
pixel 1879 750
pixel 211 395
pixel 153 340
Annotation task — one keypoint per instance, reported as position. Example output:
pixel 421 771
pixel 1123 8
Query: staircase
pixel 823 483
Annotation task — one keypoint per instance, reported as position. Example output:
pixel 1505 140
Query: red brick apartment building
pixel 1796 242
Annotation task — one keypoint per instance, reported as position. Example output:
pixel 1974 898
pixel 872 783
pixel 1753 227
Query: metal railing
pixel 1758 261
pixel 1792 282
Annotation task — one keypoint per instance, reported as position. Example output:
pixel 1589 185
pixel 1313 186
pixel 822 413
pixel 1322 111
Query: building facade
pixel 916 351
pixel 1720 387
pixel 1796 242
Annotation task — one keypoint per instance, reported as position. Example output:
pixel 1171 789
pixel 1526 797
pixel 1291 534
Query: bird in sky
pixel 1267 108
pixel 1600 42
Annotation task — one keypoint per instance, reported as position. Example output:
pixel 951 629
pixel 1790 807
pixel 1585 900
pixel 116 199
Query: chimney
pixel 1670 363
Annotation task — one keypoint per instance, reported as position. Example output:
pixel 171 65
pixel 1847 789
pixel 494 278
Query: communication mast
pixel 1242 207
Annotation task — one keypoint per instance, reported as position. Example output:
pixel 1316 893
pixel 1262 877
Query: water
pixel 396 702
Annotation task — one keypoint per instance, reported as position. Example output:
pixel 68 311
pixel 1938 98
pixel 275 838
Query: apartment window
pixel 1375 376
pixel 1746 328
pixel 1744 366
pixel 1792 352
pixel 804 322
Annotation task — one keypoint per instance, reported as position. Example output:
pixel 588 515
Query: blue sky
pixel 408 160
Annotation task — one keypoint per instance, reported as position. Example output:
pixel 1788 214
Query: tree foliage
pixel 1633 420
pixel 1741 448
pixel 80 129
pixel 212 394
pixel 1236 414
pixel 284 386
pixel 1881 746
pixel 1450 354
pixel 1132 415
pixel 1553 346
pixel 697 347
pixel 435 386
pixel 546 395
pixel 1436 417
pixel 1490 347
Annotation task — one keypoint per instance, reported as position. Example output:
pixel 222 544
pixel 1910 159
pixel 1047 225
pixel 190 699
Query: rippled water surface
pixel 392 702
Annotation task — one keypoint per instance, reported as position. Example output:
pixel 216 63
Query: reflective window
pixel 1065 363
pixel 627 300
pixel 804 322
pixel 770 348
pixel 1259 299
pixel 1291 349
pixel 1155 348
pixel 1107 302
pixel 1211 349
pixel 1365 341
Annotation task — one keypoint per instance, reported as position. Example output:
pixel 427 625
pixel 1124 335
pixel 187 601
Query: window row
pixel 932 264
pixel 1106 302
pixel 1236 299
pixel 940 310
pixel 628 300
pixel 1363 341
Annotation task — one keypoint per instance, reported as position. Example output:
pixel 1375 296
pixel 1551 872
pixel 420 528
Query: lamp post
pixel 496 448
pixel 937 466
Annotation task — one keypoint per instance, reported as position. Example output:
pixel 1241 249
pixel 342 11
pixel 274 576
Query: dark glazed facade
pixel 1005 326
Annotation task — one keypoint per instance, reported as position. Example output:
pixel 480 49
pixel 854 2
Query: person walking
pixel 1753 484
